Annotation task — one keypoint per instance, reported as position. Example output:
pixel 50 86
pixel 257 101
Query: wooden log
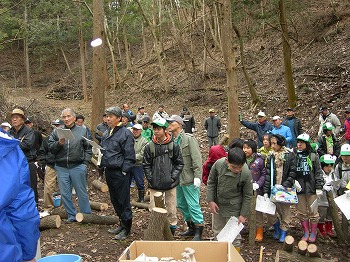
pixel 302 247
pixel 100 185
pixel 96 219
pixel 223 140
pixel 288 243
pixel 158 226
pixel 284 256
pixel 252 221
pixel 48 222
pixel 159 200
pixel 98 206
pixel 312 250
pixel 60 211
pixel 334 214
pixel 139 204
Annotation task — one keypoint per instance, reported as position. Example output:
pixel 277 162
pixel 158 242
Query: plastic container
pixel 61 258
pixel 57 200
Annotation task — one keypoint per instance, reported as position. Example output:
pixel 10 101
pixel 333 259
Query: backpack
pixel 170 149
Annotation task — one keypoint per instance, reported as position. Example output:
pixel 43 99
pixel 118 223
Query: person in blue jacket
pixel 280 129
pixel 19 217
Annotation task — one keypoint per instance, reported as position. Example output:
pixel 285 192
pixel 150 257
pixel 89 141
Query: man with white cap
pixel 188 191
pixel 5 126
pixel 282 130
pixel 261 127
pixel 137 170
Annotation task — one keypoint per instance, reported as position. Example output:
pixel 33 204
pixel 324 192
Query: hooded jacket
pixel 258 171
pixel 260 128
pixel 19 218
pixel 215 152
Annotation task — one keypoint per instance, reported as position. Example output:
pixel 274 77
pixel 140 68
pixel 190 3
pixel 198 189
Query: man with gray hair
pixel 71 159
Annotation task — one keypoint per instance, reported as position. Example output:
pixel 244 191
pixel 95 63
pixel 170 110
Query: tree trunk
pixel 231 68
pixel 313 251
pixel 159 200
pixel 139 204
pixel 204 69
pixel 144 42
pixel 60 211
pixel 288 74
pixel 98 206
pixel 252 221
pixel 288 244
pixel 158 226
pixel 95 219
pixel 48 222
pixel 334 214
pixel 302 247
pixel 82 56
pixel 26 49
pixel 283 256
pixel 100 185
pixel 127 50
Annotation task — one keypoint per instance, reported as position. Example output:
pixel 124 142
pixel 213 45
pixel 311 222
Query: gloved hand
pixel 266 196
pixel 255 186
pixel 297 186
pixel 327 187
pixel 279 187
pixel 193 129
pixel 197 182
pixel 95 151
pixel 319 193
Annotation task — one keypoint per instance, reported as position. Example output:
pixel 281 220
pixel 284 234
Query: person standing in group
pixel 140 114
pixel 118 159
pixel 347 125
pixel 101 128
pixel 212 125
pixel 281 169
pixel 188 191
pixel 294 124
pixel 229 191
pixel 5 126
pixel 265 150
pixel 38 136
pixel 27 141
pixel 215 152
pixel 328 143
pixel 137 170
pixel 280 129
pixel 160 113
pixel 163 164
pixel 71 159
pixel 79 121
pixel 327 116
pixel 147 132
pixel 188 119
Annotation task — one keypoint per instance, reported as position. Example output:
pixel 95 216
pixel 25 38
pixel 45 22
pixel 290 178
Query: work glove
pixel 327 188
pixel 279 187
pixel 255 186
pixel 193 129
pixel 95 151
pixel 297 186
pixel 197 182
pixel 319 193
pixel 266 196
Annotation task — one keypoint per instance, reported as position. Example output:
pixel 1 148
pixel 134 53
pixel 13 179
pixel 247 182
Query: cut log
pixel 96 219
pixel 159 200
pixel 139 204
pixel 60 211
pixel 334 214
pixel 312 250
pixel 252 221
pixel 284 256
pixel 100 185
pixel 98 206
pixel 302 247
pixel 158 226
pixel 288 243
pixel 48 222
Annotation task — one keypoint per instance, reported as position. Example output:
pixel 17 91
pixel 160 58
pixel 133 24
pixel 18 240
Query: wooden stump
pixel 139 204
pixel 334 214
pixel 98 206
pixel 158 226
pixel 60 211
pixel 252 221
pixel 53 221
pixel 284 256
pixel 100 185
pixel 302 247
pixel 159 200
pixel 288 243
pixel 95 219
pixel 312 250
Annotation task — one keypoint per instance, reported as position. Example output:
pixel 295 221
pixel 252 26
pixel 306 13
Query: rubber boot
pixel 190 230
pixel 312 237
pixel 116 230
pixel 125 231
pixel 305 227
pixel 282 236
pixel 277 233
pixel 259 234
pixel 329 229
pixel 198 230
pixel 321 228
pixel 141 196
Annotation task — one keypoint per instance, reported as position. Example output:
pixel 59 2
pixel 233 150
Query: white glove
pixel 297 186
pixel 193 129
pixel 319 193
pixel 279 187
pixel 255 186
pixel 266 196
pixel 197 182
pixel 327 187
pixel 96 151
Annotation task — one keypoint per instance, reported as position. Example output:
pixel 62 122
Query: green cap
pixel 160 122
pixel 328 159
pixel 304 137
pixel 345 150
pixel 327 126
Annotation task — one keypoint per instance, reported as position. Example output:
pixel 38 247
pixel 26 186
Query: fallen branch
pixel 100 185
pixel 98 206
pixel 48 222
pixel 96 219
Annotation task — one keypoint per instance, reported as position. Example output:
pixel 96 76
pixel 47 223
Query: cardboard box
pixel 205 250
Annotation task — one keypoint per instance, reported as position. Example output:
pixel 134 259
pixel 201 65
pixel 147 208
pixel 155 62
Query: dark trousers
pixel 119 191
pixel 138 174
pixel 33 180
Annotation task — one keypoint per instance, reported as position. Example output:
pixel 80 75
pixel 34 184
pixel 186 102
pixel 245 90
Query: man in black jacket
pixel 118 159
pixel 294 124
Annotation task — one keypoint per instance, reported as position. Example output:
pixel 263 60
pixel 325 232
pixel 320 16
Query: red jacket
pixel 216 152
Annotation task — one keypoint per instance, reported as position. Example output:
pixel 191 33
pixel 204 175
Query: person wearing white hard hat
pixel 280 129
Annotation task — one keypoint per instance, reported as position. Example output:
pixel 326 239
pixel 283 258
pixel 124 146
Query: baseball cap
pixel 18 111
pixel 57 122
pixel 328 159
pixel 137 126
pixel 327 126
pixel 6 124
pixel 345 150
pixel 28 121
pixel 141 107
pixel 175 118
pixel 160 122
pixel 322 108
pixel 261 114
pixel 211 110
pixel 289 109
pixel 275 118
pixel 347 110
pixel 304 137
pixel 145 119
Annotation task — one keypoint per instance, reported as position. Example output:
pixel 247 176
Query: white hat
pixel 275 118
pixel 328 159
pixel 137 126
pixel 261 113
pixel 304 137
pixel 345 150
pixel 6 124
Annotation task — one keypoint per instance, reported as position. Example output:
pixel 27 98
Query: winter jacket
pixel 45 157
pixel 139 147
pixel 139 117
pixel 164 168
pixel 212 125
pixel 296 130
pixel 19 217
pixel 260 128
pixel 100 129
pixel 231 192
pixel 158 115
pixel 283 131
pixel 215 152
pixel 147 133
pixel 27 141
pixel 289 171
pixel 73 152
pixel 118 149
pixel 312 181
pixel 189 122
pixel 347 129
pixel 191 156
pixel 344 174
pixel 258 172
pixel 331 118
pixel 322 149
pixel 328 179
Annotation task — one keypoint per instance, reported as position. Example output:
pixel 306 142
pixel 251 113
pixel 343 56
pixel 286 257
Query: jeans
pixel 76 177
pixel 138 174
